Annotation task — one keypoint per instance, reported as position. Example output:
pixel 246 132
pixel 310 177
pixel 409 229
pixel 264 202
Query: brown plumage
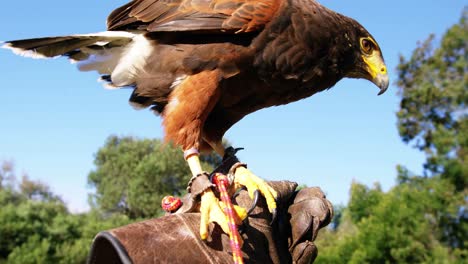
pixel 205 64
pixel 193 15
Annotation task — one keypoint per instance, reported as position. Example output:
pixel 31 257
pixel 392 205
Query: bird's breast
pixel 248 92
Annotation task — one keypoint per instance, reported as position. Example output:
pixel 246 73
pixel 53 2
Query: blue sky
pixel 55 118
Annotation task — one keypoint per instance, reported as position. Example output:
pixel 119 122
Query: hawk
pixel 205 64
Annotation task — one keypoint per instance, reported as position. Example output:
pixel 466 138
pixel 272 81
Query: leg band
pixel 190 152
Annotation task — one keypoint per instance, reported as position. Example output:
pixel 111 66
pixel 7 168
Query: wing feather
pixel 194 15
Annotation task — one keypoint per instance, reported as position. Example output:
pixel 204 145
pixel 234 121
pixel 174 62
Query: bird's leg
pixel 245 178
pixel 193 160
pixel 211 209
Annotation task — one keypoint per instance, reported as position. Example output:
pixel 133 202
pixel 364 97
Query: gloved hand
pixel 175 238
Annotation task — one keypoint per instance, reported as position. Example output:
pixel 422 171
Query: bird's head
pixel 367 60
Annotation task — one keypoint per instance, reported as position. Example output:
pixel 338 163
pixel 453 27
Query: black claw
pixel 238 191
pixel 228 161
pixel 254 202
pixel 230 152
pixel 242 227
pixel 273 216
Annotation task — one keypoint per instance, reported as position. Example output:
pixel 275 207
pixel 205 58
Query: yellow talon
pixel 212 210
pixel 241 214
pixel 244 177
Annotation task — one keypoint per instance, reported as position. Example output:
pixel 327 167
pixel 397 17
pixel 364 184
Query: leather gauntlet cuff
pixel 198 184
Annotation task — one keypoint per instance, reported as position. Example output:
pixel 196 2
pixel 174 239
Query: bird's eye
pixel 367 46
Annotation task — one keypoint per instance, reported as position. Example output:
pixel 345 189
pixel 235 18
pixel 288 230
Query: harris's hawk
pixel 205 64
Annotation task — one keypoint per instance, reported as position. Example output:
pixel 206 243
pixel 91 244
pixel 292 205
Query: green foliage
pixel 75 233
pixel 36 227
pixel 434 88
pixel 363 201
pixel 433 112
pixel 133 175
pixel 338 244
pixel 19 222
pixel 401 226
pixel 130 179
pixel 34 250
pixel 7 174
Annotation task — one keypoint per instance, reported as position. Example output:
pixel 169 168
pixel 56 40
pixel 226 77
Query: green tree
pixel 130 178
pixel 133 175
pixel 36 227
pixel 7 174
pixel 36 190
pixel 433 113
pixel 401 226
pixel 433 117
pixel 363 201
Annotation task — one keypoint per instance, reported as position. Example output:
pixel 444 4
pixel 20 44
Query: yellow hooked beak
pixel 377 70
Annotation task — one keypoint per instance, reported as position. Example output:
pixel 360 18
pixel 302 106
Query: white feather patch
pixel 104 61
pixel 173 102
pixel 111 34
pixel 178 80
pixel 132 61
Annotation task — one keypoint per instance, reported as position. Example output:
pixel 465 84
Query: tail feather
pixel 56 46
pixel 48 47
pixel 107 52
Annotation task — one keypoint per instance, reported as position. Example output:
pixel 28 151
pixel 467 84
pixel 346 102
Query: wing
pixel 194 15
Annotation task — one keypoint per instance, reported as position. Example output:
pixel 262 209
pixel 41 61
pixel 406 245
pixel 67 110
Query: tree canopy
pixel 36 227
pixel 133 175
pixel 130 178
pixel 433 116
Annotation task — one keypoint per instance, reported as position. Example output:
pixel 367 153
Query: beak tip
pixel 382 82
pixel 382 91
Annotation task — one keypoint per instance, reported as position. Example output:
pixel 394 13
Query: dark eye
pixel 367 46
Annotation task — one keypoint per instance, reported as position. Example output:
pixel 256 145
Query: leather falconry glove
pixel 175 238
